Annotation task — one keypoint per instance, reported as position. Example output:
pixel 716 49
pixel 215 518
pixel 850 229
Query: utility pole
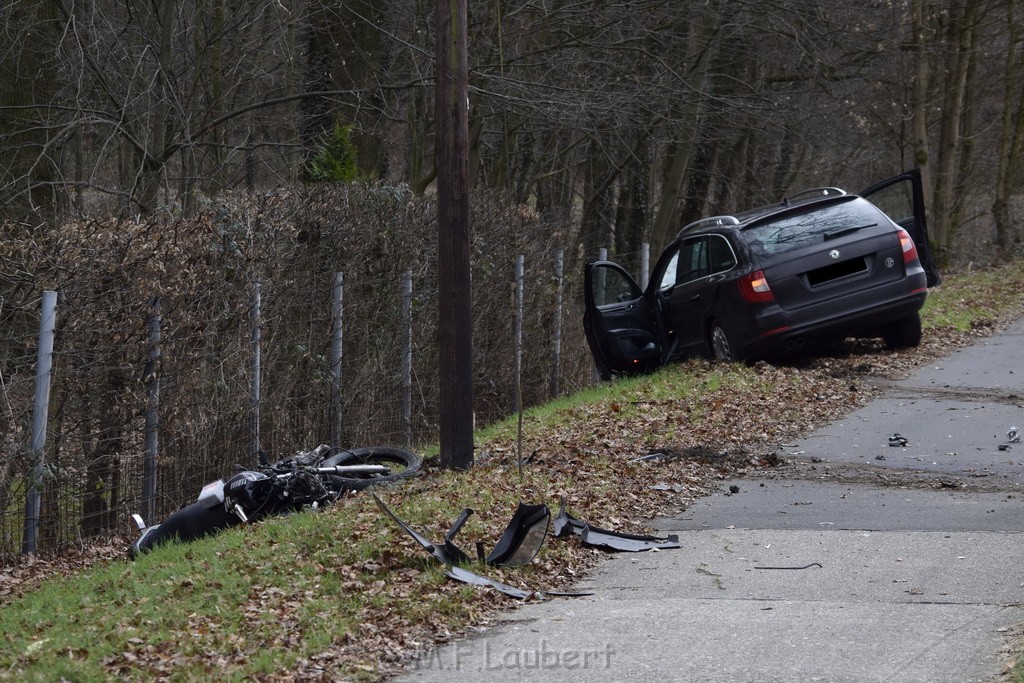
pixel 455 320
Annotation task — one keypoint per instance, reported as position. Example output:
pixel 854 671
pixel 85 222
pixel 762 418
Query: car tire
pixel 720 343
pixel 903 333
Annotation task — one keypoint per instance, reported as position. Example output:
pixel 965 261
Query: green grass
pixel 966 301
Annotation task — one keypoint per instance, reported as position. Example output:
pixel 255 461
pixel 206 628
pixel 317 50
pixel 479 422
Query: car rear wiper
pixel 846 231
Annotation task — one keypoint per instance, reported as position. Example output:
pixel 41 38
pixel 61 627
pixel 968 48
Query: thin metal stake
pixel 44 365
pixel 151 379
pixel 254 374
pixel 337 327
pixel 556 364
pixel 407 358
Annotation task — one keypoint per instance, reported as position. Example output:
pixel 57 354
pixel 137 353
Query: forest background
pixel 186 151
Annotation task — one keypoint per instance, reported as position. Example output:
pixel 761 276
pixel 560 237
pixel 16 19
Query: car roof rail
pixel 711 221
pixel 820 191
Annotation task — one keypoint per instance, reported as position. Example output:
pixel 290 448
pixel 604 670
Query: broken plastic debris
pixel 898 440
pixel 520 542
pixel 1013 435
pixel 651 456
pixel 466 576
pixel 565 524
pixel 522 538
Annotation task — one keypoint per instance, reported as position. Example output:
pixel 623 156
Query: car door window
pixel 611 286
pixel 720 254
pixel 896 202
pixel 668 278
pixel 694 260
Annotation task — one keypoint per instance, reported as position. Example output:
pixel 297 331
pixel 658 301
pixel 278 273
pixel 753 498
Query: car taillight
pixel 754 288
pixel 908 246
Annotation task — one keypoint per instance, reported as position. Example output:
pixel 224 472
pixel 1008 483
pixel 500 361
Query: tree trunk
pixel 598 209
pixel 631 215
pixel 152 159
pixel 701 26
pixel 959 46
pixel 919 104
pixel 1011 136
pixel 99 500
pixel 28 87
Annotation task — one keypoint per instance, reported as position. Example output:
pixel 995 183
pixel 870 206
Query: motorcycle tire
pixel 402 463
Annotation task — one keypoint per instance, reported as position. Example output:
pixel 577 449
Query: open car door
pixel 620 325
pixel 901 198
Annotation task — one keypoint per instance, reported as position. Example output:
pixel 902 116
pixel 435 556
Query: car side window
pixel 668 278
pixel 721 254
pixel 694 260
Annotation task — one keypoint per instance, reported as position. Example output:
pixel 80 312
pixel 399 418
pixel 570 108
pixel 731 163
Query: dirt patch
pixel 808 469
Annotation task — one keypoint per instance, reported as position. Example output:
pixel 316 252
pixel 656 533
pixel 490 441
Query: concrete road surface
pixel 860 561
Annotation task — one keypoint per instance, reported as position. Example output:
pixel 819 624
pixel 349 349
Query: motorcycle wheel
pixel 402 463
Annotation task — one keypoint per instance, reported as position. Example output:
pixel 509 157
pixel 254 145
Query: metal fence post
pixel 151 379
pixel 44 365
pixel 254 373
pixel 595 374
pixel 407 358
pixel 337 328
pixel 556 362
pixel 517 333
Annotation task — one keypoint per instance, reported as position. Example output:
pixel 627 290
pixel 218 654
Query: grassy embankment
pixel 344 593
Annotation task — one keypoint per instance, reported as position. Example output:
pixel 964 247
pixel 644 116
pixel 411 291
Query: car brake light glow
pixel 754 288
pixel 907 244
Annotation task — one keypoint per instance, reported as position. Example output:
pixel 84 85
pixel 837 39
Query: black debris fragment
pixel 466 576
pixel 898 440
pixel 438 552
pixel 565 524
pixel 520 543
pixel 522 538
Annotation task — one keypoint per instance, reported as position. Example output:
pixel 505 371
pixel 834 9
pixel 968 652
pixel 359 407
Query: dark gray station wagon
pixel 816 267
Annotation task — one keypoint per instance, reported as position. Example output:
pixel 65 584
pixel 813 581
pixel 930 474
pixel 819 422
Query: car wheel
pixel 903 333
pixel 720 344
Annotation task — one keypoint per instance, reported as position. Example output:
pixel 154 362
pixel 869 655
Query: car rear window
pixel 820 224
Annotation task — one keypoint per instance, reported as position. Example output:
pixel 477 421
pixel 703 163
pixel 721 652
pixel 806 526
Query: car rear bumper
pixel 861 314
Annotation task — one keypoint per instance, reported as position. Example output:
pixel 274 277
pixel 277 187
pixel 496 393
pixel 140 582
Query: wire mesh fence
pixel 155 388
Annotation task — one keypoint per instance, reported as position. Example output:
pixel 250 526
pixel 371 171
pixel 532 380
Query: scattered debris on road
pixel 806 566
pixel 898 440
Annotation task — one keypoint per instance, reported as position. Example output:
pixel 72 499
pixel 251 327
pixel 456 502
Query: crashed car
pixel 816 267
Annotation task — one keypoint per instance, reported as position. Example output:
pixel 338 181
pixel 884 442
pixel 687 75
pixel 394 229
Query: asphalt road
pixel 859 561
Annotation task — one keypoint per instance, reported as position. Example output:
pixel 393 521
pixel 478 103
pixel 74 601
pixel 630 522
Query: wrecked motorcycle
pixel 307 479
